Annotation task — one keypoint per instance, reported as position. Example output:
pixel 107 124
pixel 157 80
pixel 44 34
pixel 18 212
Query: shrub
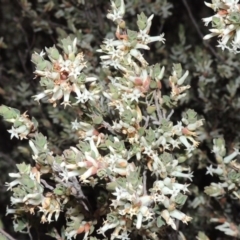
pixel 117 148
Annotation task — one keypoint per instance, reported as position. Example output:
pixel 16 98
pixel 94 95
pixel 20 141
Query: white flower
pixel 135 95
pixel 75 125
pixel 116 14
pixel 42 53
pixel 227 229
pixel 148 150
pixel 207 20
pixel 90 79
pixel 230 157
pixel 39 96
pixel 123 236
pixel 75 72
pixel 181 174
pixel 10 211
pixel 156 38
pixel 121 193
pixel 13 132
pixel 88 95
pixel 65 65
pixel 166 216
pixel 85 96
pixel 13 184
pixel 180 216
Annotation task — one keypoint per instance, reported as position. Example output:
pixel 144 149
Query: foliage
pixel 117 140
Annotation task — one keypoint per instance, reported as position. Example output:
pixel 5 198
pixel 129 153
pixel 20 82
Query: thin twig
pixel 46 185
pixel 74 186
pixel 22 60
pixel 58 237
pixel 146 122
pixel 6 235
pixel 170 114
pixel 199 31
pixel 156 95
pixel 29 233
pixel 145 182
pixel 77 192
pixel 108 127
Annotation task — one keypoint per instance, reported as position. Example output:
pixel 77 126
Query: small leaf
pixel 19 225
pixel 97 119
pixel 53 53
pixel 142 21
pixel 9 113
pixel 178 69
pixel 132 35
pixel 36 58
pixel 202 236
pixel 160 222
pixel 46 82
pixel 180 199
pixel 40 142
pixel 151 109
pixel 24 168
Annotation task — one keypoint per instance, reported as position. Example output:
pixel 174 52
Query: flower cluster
pixel 225 24
pixel 63 74
pixel 227 170
pixel 22 125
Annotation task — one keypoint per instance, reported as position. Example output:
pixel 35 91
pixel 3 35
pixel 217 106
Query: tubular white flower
pixel 230 157
pixel 182 187
pixel 141 46
pixel 180 216
pixel 57 94
pixel 139 220
pixel 33 147
pixel 106 227
pixel 15 175
pixel 166 191
pixel 33 198
pixel 229 29
pixel 145 200
pixel 237 36
pixel 184 141
pixel 156 39
pixel 39 96
pixel 208 36
pixel 168 182
pixel 10 211
pixel 184 175
pixel 166 216
pixel 207 20
pixel 211 170
pixel 209 5
pixel 120 171
pixel 94 148
pixel 135 53
pixel 194 126
pixel 15 201
pixel 13 184
pixel 91 159
pixel 226 228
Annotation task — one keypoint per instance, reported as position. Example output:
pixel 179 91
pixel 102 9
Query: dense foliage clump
pixel 120 121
